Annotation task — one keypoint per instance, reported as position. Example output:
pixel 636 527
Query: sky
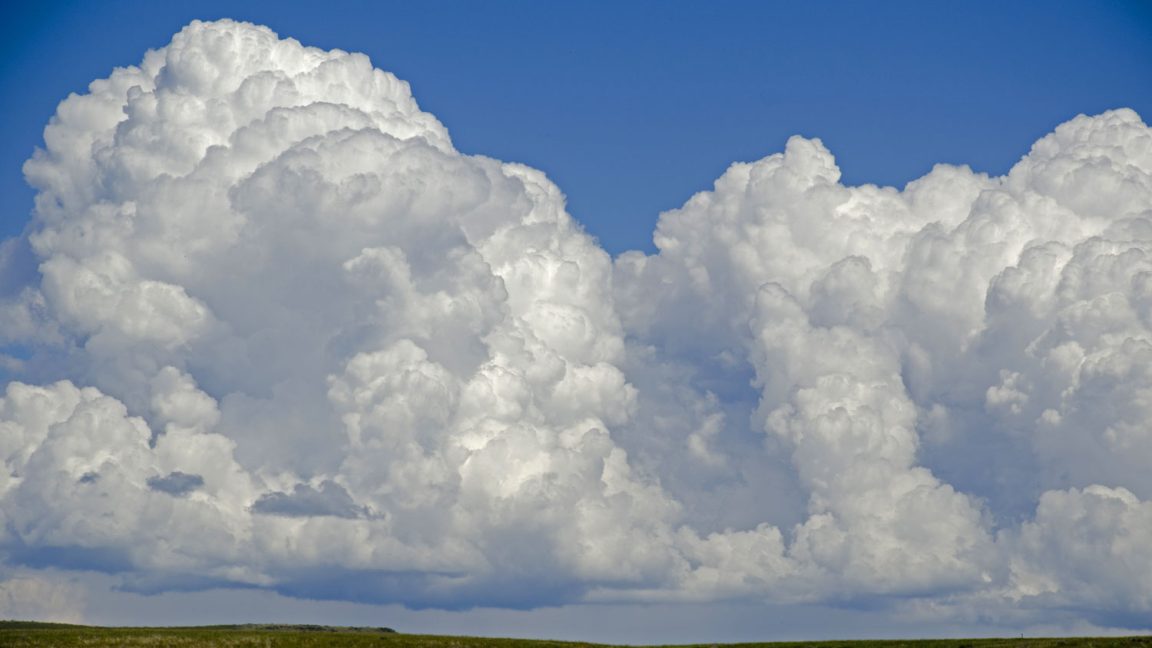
pixel 632 322
pixel 633 107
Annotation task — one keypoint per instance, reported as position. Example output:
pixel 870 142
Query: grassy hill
pixel 30 633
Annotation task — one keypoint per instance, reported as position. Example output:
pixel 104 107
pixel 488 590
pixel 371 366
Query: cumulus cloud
pixel 284 335
pixel 949 329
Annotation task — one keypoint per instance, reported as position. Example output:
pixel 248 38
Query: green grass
pixel 27 633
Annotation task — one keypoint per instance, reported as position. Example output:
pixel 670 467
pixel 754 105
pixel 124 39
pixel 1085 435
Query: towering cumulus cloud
pixel 285 336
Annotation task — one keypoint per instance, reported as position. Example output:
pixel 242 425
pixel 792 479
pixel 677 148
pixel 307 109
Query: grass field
pixel 24 633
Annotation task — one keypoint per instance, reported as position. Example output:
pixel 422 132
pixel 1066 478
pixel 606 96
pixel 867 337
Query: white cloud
pixel 1086 549
pixel 987 329
pixel 291 338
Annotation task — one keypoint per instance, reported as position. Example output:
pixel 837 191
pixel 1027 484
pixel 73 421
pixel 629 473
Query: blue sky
pixel 288 355
pixel 633 106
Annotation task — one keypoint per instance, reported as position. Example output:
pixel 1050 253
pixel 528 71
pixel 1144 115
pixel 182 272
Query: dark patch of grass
pixel 35 625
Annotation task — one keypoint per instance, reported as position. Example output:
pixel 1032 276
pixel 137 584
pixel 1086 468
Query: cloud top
pixel 284 334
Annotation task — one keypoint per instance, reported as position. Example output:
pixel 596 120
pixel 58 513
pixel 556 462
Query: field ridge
pixel 33 634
